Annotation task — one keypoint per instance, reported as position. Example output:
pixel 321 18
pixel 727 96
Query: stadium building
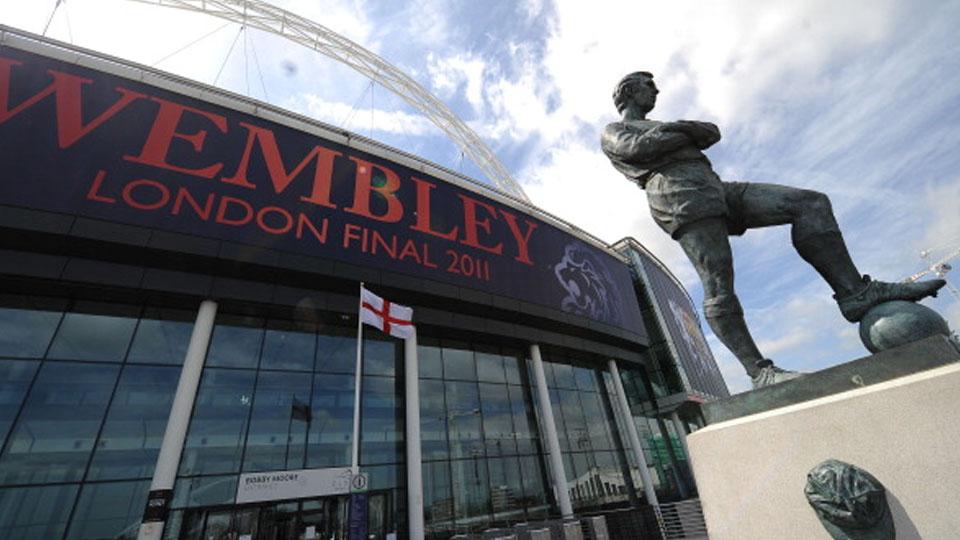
pixel 179 283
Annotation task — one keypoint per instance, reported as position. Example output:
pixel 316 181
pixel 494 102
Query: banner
pixel 88 143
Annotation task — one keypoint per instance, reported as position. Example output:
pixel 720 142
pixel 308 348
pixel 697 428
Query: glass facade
pixel 85 390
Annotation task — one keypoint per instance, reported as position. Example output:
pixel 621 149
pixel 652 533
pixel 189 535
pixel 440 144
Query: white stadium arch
pixel 303 31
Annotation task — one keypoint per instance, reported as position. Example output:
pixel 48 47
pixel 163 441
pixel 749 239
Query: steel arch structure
pixel 303 31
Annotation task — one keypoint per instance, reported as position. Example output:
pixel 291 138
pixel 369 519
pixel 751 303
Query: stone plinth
pixel 751 470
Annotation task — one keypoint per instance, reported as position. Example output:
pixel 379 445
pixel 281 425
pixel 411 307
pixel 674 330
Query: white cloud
pixel 449 74
pixel 355 118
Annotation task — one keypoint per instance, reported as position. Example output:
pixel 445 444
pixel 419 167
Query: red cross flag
pixel 390 318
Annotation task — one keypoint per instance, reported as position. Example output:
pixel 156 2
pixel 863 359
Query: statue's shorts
pixel 689 191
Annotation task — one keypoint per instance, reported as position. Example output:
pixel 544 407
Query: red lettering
pixel 423 211
pixel 128 197
pixel 225 202
pixel 390 248
pixel 364 190
pixel 164 131
pixel 426 257
pixel 95 187
pixel 350 232
pixel 410 250
pixel 523 240
pixel 304 223
pixel 184 195
pixel 322 172
pixel 68 90
pixel 262 220
pixel 472 225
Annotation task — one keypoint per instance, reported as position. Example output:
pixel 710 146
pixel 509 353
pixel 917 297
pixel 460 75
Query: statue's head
pixel 637 87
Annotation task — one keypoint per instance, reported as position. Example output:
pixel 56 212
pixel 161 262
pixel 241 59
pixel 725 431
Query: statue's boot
pixel 770 374
pixel 855 294
pixel 872 293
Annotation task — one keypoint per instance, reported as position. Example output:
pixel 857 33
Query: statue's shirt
pixel 639 148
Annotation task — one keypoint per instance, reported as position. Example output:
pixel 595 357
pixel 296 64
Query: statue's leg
pixel 814 230
pixel 816 236
pixel 706 244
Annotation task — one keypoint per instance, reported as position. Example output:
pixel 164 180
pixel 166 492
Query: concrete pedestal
pixel 751 470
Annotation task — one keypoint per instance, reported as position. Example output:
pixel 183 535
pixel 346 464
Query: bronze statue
pixel 689 201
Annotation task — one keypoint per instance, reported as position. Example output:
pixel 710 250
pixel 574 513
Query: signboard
pixel 277 485
pixel 683 327
pixel 88 143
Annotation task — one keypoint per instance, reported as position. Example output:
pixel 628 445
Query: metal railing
pixel 683 519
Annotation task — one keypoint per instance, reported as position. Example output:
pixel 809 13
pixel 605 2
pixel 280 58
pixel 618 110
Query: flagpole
pixel 358 371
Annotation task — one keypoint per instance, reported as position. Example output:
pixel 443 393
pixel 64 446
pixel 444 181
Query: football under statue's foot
pixel 770 374
pixel 856 305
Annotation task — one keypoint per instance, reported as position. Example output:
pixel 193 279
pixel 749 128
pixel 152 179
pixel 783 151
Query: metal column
pixel 632 434
pixel 553 443
pixel 165 473
pixel 414 457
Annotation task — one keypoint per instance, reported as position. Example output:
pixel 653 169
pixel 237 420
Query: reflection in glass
pixel 471 495
pixel 524 422
pixel 506 488
pixel 204 491
pixel 463 419
pixel 219 423
pixel 331 425
pixel 534 490
pixel 379 354
pixel 563 376
pixel 337 349
pixel 586 379
pixel 110 510
pixel 433 421
pixel 131 436
pixel 289 346
pixel 36 512
pixel 54 435
pixel 278 423
pixel 513 363
pixel 598 422
pixel 235 342
pixel 437 498
pixel 458 362
pixel 497 420
pixel 381 423
pixel 162 337
pixel 15 377
pixel 490 366
pixel 430 363
pixel 25 331
pixel 95 331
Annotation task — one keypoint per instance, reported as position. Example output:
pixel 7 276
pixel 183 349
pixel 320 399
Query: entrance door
pixel 313 519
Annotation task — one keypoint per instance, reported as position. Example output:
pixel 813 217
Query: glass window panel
pixel 463 419
pixel 278 422
pixel 574 420
pixel 54 435
pixel 524 422
pixel 131 436
pixel 204 491
pixel 433 421
pixel 437 499
pixel 563 376
pixel 386 476
pixel 497 420
pixel 534 489
pixel 235 342
pixel 614 485
pixel 506 489
pixel 95 331
pixel 337 349
pixel 162 337
pixel 458 362
pixel 381 424
pixel 331 426
pixel 586 379
pixel 548 373
pixel 379 354
pixel 490 366
pixel 26 326
pixel 36 512
pixel 289 345
pixel 215 440
pixel 15 377
pixel 471 494
pixel 430 363
pixel 110 510
pixel 513 363
pixel 598 423
pixel 562 434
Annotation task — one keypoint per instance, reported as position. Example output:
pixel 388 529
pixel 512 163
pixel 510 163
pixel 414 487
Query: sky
pixel 857 99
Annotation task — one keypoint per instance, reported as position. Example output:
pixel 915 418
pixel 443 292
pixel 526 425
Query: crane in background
pixel 937 260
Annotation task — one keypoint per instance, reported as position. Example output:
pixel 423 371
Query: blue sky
pixel 859 99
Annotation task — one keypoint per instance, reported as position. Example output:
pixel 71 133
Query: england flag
pixel 388 317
